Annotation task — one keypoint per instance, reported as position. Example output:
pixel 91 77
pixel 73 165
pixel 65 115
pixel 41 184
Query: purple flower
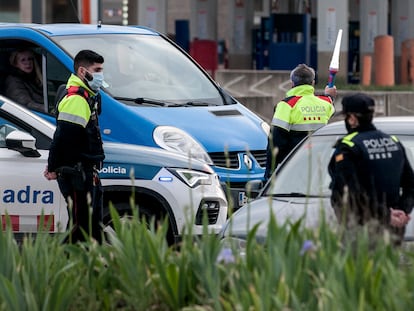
pixel 307 247
pixel 226 256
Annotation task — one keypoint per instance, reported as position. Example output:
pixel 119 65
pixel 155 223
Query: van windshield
pixel 142 66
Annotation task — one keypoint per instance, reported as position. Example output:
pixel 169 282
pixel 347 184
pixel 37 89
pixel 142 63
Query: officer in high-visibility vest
pixel 372 179
pixel 300 113
pixel 76 152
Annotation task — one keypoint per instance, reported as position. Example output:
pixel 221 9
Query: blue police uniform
pixel 370 172
pixel 373 166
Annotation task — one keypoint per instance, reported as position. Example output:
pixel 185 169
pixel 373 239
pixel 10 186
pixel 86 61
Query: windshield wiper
pixel 291 194
pixel 150 101
pixel 296 195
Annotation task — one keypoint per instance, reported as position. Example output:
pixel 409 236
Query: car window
pixel 408 142
pixel 5 129
pixel 57 74
pixel 9 123
pixel 306 171
pixel 53 72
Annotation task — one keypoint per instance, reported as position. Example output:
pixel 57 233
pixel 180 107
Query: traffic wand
pixel 334 65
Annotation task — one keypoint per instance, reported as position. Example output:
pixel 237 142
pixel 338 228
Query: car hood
pixel 123 161
pixel 135 154
pixel 218 128
pixel 284 209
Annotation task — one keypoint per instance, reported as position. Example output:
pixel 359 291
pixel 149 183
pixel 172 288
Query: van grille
pixel 231 160
pixel 260 156
pixel 228 159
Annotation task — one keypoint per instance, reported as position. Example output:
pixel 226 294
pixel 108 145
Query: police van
pixel 156 95
pixel 164 184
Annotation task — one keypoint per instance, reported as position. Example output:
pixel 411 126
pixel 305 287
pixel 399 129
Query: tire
pixel 147 215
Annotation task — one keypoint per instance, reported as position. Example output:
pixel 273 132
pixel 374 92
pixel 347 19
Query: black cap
pixel 358 103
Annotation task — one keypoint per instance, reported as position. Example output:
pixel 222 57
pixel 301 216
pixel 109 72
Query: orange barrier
pixel 86 12
pixel 366 70
pixel 384 60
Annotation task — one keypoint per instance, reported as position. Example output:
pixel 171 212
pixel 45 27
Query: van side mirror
pixel 22 142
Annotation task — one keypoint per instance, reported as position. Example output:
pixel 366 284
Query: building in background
pixel 253 34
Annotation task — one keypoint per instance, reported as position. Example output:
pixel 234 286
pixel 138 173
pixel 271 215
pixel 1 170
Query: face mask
pixel 97 80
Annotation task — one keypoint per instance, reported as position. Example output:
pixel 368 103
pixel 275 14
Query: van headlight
pixel 265 127
pixel 173 139
pixel 191 177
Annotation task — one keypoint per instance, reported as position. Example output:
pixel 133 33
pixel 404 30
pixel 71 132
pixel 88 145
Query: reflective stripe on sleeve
pixel 64 116
pixel 280 123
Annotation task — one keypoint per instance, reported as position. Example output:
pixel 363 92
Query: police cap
pixel 358 103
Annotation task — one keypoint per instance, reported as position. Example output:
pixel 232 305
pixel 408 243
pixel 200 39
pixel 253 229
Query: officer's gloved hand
pixel 331 91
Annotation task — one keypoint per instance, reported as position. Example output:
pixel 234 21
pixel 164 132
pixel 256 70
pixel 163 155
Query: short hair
pixel 302 74
pixel 86 58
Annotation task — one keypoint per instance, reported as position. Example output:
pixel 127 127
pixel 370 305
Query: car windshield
pixel 146 67
pixel 306 171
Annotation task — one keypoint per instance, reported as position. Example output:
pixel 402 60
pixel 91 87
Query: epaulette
pixel 291 100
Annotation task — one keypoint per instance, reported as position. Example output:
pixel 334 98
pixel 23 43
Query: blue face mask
pixel 97 81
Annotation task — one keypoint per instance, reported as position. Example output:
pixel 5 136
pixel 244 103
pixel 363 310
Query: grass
pixel 294 269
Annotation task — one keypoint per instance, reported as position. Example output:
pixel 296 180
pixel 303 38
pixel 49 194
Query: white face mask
pixel 97 81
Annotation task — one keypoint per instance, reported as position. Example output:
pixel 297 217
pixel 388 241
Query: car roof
pixel 396 125
pixel 61 29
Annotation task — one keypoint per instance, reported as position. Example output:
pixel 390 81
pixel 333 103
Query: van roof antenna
pixel 99 24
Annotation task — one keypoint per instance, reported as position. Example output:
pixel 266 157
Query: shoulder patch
pixel 339 157
pixel 77 90
pixel 327 98
pixel 292 100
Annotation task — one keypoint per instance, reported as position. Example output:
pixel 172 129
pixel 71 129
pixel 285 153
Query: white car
pixel 299 189
pixel 166 184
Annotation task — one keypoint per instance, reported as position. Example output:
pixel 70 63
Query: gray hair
pixel 302 74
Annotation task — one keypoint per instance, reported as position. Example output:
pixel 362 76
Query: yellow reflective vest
pixel 75 109
pixel 302 110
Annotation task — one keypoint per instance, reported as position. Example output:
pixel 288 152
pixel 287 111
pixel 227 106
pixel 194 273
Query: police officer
pixel 300 113
pixel 76 152
pixel 369 168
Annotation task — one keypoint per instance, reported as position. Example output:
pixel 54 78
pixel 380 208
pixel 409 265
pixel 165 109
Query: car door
pixel 25 195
